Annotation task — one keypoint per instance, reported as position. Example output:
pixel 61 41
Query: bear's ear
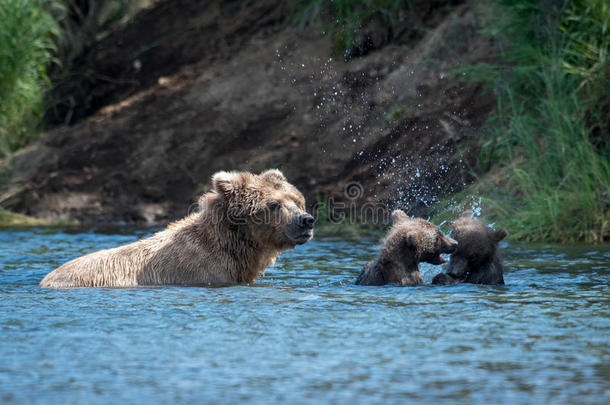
pixel 499 235
pixel 273 175
pixel 467 214
pixel 399 216
pixel 226 183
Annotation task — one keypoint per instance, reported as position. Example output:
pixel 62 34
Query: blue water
pixel 304 333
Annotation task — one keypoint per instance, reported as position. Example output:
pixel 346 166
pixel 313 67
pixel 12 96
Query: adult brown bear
pixel 243 225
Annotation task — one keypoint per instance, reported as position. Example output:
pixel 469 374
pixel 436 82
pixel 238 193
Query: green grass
pixel 13 219
pixel 8 218
pixel 346 20
pixel 549 152
pixel 395 113
pixel 27 43
pixel 34 34
pixel 342 224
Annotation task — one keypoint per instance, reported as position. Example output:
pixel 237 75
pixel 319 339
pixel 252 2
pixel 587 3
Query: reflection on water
pixel 304 332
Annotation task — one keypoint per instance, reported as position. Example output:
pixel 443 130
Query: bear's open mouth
pixel 437 260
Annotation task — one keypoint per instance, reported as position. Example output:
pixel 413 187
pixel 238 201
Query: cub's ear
pixel 467 214
pixel 273 175
pixel 499 234
pixel 226 183
pixel 399 216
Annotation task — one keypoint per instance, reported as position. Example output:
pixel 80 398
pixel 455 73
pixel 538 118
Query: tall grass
pixel 550 152
pixel 27 34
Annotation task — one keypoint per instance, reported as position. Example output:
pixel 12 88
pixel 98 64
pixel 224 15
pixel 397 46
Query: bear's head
pixel 268 209
pixel 477 245
pixel 417 240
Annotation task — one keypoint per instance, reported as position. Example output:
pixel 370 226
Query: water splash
pixel 344 105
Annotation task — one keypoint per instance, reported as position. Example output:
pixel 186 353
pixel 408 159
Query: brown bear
pixel 408 242
pixel 243 225
pixel 476 259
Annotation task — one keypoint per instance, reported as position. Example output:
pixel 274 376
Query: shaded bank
pixel 188 89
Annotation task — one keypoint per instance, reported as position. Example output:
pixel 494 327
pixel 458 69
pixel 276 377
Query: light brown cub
pixel 408 242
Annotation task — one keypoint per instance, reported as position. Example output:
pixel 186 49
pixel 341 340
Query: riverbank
pixel 249 91
pixel 438 107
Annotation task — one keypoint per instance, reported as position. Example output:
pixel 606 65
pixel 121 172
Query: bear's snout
pixel 450 245
pixel 300 229
pixel 306 221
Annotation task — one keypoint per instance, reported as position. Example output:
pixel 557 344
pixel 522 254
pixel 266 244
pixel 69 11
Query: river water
pixel 304 333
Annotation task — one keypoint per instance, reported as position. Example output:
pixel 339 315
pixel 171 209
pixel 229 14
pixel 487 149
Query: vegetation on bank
pixel 548 154
pixel 342 223
pixel 8 218
pixel 28 32
pixel 37 37
pixel 345 20
pixel 355 26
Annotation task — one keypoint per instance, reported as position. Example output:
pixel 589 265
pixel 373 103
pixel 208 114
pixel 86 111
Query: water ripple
pixel 305 332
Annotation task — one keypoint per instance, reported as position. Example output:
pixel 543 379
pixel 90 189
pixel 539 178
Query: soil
pixel 189 88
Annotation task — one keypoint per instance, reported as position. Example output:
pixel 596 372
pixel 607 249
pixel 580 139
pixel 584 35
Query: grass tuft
pixel 13 219
pixel 349 22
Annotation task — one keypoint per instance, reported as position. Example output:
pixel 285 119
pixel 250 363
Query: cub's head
pixel 266 207
pixel 477 244
pixel 417 238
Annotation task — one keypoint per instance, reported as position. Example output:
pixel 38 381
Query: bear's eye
pixel 274 206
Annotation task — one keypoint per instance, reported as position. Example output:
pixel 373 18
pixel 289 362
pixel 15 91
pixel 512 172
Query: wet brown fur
pixel 233 238
pixel 409 242
pixel 476 259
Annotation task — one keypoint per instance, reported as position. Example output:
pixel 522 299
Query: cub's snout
pixel 450 245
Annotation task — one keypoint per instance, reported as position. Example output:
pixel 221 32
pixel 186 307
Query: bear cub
pixel 476 259
pixel 408 242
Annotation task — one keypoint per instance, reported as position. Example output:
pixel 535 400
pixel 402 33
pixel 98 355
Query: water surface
pixel 304 332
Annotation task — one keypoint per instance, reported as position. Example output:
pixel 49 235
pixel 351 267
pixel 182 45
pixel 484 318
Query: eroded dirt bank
pixel 190 88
